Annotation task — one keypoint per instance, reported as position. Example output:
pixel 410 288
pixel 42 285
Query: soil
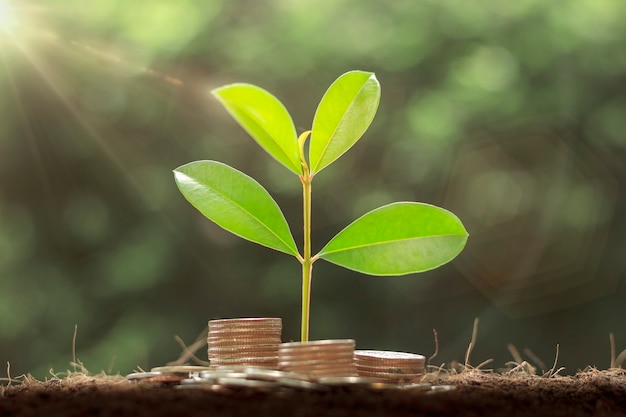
pixel 589 393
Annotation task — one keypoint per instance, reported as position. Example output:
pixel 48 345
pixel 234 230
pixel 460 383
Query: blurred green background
pixel 510 114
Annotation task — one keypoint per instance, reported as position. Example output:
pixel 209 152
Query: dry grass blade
pixel 612 344
pixel 515 353
pixel 553 372
pixel 519 367
pixel 74 346
pixel 619 361
pixel 189 353
pixel 436 347
pixel 541 364
pixel 616 362
pixel 472 343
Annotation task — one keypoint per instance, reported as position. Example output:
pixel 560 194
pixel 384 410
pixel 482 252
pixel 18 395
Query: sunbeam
pixel 8 19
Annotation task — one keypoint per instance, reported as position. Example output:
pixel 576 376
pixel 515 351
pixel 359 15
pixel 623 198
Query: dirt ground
pixel 589 393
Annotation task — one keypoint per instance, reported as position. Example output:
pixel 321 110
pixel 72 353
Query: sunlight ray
pixel 55 84
pixel 29 134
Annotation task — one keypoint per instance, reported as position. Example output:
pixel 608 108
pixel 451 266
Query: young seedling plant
pixel 395 239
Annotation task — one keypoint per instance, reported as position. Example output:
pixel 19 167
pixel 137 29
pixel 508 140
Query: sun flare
pixel 8 20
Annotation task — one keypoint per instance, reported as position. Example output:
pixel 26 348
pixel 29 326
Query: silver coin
pixel 345 380
pixel 387 354
pixel 328 362
pixel 206 387
pixel 442 388
pixel 198 381
pixel 251 348
pixel 382 386
pixel 142 375
pixel 179 369
pixel 316 343
pixel 262 374
pixel 299 384
pixel 415 387
pixel 245 383
pixel 222 373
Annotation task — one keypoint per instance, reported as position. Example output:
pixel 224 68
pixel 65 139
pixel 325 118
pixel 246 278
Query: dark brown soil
pixel 591 393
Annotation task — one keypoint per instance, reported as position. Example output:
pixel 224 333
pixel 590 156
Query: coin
pixel 157 377
pixel 387 377
pixel 245 332
pixel 142 375
pixel 312 360
pixel 315 343
pixel 390 369
pixel 299 384
pixel 346 380
pixel 180 369
pixel 313 353
pixel 442 388
pixel 246 321
pixel 270 374
pixel 245 383
pixel 318 359
pixel 249 349
pixel 379 356
pixel 416 386
pixel 244 340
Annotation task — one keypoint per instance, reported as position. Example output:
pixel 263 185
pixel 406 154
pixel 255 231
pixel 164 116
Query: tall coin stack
pixel 245 342
pixel 388 366
pixel 318 359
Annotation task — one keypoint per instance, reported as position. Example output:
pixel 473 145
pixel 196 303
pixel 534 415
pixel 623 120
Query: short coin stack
pixel 318 359
pixel 245 342
pixel 388 366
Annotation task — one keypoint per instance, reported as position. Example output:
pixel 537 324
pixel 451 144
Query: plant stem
pixel 307 263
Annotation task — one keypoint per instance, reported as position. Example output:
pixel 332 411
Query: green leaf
pixel 235 202
pixel 265 118
pixel 343 115
pixel 398 239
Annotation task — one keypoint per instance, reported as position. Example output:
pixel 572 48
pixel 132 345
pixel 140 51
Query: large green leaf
pixel 398 239
pixel 343 115
pixel 235 202
pixel 265 118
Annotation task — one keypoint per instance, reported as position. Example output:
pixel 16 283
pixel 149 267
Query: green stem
pixel 307 262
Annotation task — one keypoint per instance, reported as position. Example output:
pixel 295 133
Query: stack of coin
pixel 318 359
pixel 389 367
pixel 245 342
